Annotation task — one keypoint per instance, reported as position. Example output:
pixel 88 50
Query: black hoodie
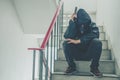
pixel 83 17
pixel 87 30
pixel 82 28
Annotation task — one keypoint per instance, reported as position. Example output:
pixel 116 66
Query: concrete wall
pixel 89 5
pixel 15 59
pixel 108 15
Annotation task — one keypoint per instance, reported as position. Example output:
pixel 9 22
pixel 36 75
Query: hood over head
pixel 83 17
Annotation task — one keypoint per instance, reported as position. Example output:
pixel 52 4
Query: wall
pixel 108 15
pixel 89 5
pixel 35 15
pixel 15 59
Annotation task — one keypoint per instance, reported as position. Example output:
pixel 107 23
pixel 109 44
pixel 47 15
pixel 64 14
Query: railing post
pixel 55 39
pixel 41 65
pixel 33 74
pixel 51 59
pixel 57 32
pixel 47 55
pixel 55 45
pixel 62 21
pixel 57 36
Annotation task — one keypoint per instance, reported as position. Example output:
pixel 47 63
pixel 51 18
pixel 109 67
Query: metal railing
pixel 50 46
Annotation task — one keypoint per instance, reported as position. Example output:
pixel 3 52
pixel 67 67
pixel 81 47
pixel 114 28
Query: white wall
pixel 35 15
pixel 99 13
pixel 108 15
pixel 15 59
pixel 88 5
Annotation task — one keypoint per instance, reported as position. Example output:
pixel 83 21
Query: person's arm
pixel 72 19
pixel 71 29
pixel 73 41
pixel 73 16
pixel 83 40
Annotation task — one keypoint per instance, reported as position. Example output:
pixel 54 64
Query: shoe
pixel 70 70
pixel 96 72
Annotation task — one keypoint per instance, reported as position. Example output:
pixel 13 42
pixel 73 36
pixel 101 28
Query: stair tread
pixel 89 61
pixel 74 77
pixel 106 66
pixel 86 74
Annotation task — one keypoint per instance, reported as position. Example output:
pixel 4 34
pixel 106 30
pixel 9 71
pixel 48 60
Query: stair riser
pixel 106 55
pixel 66 77
pixel 83 66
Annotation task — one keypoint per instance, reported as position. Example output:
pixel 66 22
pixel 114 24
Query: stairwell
pixel 107 64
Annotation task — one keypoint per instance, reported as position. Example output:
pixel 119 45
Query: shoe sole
pixel 72 73
pixel 96 76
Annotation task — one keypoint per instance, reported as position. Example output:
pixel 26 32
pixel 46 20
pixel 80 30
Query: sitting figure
pixel 85 45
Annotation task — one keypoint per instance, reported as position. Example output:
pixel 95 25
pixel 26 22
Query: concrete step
pixel 106 66
pixel 59 76
pixel 102 35
pixel 85 74
pixel 106 55
pixel 104 44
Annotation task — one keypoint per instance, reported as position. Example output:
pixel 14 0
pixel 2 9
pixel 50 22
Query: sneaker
pixel 70 70
pixel 96 72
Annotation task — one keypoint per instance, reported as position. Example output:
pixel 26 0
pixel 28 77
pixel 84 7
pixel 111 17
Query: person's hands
pixel 73 41
pixel 73 16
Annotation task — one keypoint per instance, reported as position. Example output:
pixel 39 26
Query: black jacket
pixel 71 31
pixel 83 28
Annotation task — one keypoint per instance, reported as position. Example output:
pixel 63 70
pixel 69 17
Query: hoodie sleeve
pixel 71 30
pixel 92 33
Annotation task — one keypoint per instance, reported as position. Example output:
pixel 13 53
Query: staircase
pixel 107 65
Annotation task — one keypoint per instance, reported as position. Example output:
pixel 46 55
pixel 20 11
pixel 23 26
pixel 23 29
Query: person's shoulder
pixel 93 24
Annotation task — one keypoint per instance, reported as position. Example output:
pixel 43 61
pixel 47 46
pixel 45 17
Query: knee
pixel 97 42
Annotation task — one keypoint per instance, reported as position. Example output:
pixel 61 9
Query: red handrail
pixel 51 26
pixel 47 36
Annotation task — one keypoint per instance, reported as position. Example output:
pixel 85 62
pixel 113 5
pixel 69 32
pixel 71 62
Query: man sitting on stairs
pixel 85 45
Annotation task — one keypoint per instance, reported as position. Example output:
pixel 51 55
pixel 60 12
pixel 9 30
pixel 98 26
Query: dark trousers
pixel 78 52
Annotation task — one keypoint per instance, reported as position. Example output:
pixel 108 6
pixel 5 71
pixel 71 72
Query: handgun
pixel 75 11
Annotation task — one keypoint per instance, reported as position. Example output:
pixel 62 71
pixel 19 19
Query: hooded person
pixel 83 17
pixel 86 44
pixel 87 29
